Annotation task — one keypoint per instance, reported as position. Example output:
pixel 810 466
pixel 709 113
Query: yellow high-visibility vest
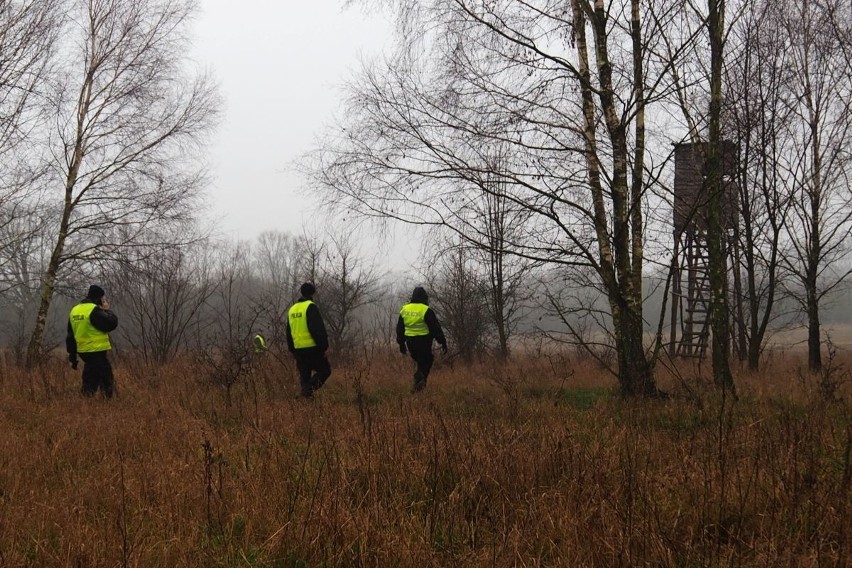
pixel 89 338
pixel 414 318
pixel 298 319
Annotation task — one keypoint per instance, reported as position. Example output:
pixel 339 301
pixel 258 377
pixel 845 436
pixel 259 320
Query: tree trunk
pixel 814 250
pixel 502 331
pixel 814 343
pixel 719 313
pixel 754 355
pixel 635 376
pixel 741 344
pixel 48 284
pixel 619 250
pixel 498 294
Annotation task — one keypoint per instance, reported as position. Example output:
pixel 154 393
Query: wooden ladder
pixel 695 332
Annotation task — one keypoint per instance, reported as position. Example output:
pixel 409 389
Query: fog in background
pixel 280 68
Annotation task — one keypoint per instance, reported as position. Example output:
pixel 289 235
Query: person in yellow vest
pixel 416 327
pixel 259 343
pixel 89 325
pixel 307 340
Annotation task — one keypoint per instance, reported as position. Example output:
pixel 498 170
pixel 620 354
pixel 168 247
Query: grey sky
pixel 280 65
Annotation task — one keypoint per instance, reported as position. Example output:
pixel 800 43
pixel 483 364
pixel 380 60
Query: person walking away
pixel 307 340
pixel 89 325
pixel 416 327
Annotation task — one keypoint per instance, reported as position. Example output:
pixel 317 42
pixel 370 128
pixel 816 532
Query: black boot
pixel 419 382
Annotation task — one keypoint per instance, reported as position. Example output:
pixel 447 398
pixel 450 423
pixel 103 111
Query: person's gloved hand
pixel 73 360
pixel 444 349
pixel 402 348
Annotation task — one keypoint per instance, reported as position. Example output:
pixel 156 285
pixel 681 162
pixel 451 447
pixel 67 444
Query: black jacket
pixel 315 326
pixel 101 319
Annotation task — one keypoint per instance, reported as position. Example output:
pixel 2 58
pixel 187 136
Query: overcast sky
pixel 280 65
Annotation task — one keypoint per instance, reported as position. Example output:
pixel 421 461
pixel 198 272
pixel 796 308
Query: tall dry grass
pixel 533 463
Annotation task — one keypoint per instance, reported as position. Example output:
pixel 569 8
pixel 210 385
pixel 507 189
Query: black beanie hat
pixel 95 292
pixel 307 290
pixel 419 296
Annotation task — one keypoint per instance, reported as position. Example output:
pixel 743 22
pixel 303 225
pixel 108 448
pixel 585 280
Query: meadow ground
pixel 536 462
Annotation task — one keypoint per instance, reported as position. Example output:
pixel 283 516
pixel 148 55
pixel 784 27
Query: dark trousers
pixel 314 369
pixel 420 348
pixel 97 374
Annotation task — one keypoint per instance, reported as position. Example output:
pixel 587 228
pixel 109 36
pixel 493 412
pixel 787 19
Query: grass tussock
pixel 530 463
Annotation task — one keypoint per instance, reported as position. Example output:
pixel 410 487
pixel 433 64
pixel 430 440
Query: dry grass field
pixel 534 463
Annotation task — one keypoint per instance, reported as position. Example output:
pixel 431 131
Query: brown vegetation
pixel 534 463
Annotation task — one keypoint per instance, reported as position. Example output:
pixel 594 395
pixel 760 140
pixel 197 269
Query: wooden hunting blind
pixel 690 307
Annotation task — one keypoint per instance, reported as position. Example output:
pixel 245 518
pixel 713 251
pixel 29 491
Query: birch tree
pixel 562 89
pixel 129 118
pixel 818 35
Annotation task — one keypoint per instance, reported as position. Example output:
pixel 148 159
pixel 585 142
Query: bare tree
pixel 818 36
pixel 346 282
pixel 698 78
pixel 575 313
pixel 161 297
pixel 508 276
pixel 715 186
pixel 481 248
pixel 313 254
pixel 128 115
pixel 755 112
pixel 459 293
pixel 28 33
pixel 22 260
pixel 227 347
pixel 493 284
pixel 233 300
pixel 561 90
pixel 276 263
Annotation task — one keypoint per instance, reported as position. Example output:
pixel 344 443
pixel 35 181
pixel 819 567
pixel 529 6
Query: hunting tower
pixel 690 306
